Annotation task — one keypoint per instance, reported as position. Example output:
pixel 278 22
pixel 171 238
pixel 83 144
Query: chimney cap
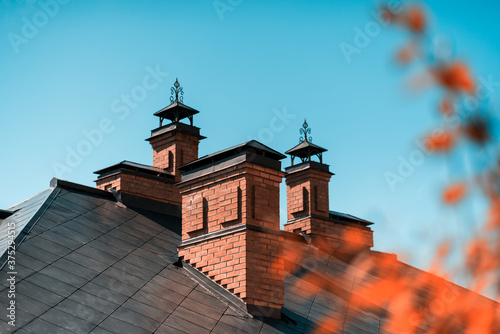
pixel 349 218
pixel 176 110
pixel 252 146
pixel 305 149
pixel 134 166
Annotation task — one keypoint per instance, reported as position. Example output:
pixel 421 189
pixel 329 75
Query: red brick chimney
pixel 230 223
pixel 173 145
pixel 308 202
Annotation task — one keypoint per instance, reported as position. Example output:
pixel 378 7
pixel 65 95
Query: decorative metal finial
pixel 177 90
pixel 305 130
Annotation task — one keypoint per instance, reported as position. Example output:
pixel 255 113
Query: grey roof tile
pixel 163 292
pixel 87 313
pixel 132 269
pixel 75 268
pixel 38 293
pixel 155 301
pixel 82 229
pixel 52 284
pixel 67 242
pixel 109 249
pixel 184 325
pixel 87 221
pixel 141 262
pixel 117 243
pixel 94 302
pixel 195 317
pixel 115 285
pixel 137 319
pixel 41 326
pixel 38 253
pixel 67 233
pixel 97 254
pixel 67 321
pixel 118 326
pixel 49 246
pixel 165 329
pixel 6 328
pixel 63 275
pixel 23 318
pixel 106 294
pixel 30 262
pixel 152 312
pixel 30 305
pixel 124 277
pixel 86 261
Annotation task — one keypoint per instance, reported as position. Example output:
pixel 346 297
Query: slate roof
pixel 91 265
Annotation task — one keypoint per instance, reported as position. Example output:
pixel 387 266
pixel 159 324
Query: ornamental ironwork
pixel 304 131
pixel 177 91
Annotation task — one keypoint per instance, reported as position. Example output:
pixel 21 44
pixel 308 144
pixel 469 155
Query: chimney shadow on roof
pixel 290 321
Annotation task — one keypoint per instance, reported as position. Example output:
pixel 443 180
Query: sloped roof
pixel 91 265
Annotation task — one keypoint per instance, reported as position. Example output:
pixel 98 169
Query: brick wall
pixel 319 227
pixel 247 262
pixel 173 149
pixel 141 185
pixel 307 193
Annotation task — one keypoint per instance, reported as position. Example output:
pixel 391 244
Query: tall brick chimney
pixel 308 202
pixel 230 223
pixel 173 144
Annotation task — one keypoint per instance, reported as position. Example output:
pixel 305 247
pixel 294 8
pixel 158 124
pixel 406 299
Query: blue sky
pixel 68 68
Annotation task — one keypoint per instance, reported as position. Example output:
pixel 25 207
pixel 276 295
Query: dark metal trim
pixel 353 224
pixel 176 126
pixel 70 185
pixel 218 165
pixel 236 303
pixel 5 213
pixel 238 228
pixel 165 178
pixel 212 235
pixel 306 165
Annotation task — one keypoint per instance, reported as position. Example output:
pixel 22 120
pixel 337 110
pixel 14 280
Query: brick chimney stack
pixel 308 202
pixel 230 223
pixel 173 144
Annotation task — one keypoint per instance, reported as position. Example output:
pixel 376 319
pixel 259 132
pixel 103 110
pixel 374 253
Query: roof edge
pixel 31 223
pixel 55 182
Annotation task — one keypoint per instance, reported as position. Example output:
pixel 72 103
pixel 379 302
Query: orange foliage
pixel 415 19
pixel 454 77
pixel 418 302
pixel 440 142
pixel 446 106
pixel 454 193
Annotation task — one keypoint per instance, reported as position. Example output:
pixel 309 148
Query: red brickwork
pixel 307 193
pixel 329 229
pixel 247 262
pixel 308 210
pixel 174 149
pixel 143 186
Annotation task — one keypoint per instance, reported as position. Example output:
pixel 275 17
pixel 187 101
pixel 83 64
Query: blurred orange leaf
pixel 454 193
pixel 454 77
pixel 446 106
pixel 415 19
pixel 440 142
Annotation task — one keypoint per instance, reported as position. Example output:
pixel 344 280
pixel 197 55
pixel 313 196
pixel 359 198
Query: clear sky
pixel 254 69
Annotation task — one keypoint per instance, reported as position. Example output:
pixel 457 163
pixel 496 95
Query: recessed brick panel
pixel 247 263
